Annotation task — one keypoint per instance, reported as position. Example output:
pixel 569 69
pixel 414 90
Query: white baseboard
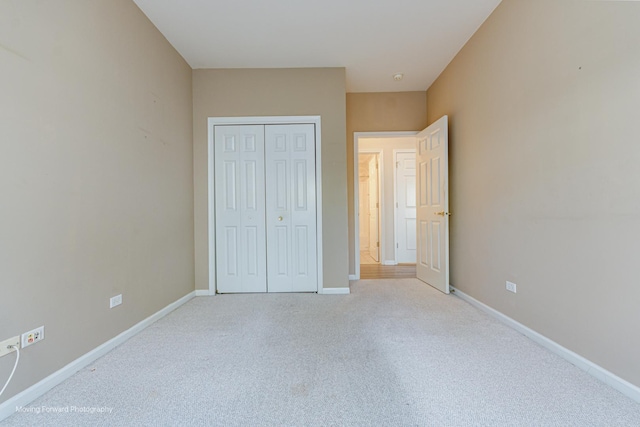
pixel 336 291
pixel 32 393
pixel 203 293
pixel 353 277
pixel 389 262
pixel 586 365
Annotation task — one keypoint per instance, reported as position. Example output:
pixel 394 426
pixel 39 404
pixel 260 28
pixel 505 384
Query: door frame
pixel 395 198
pixel 261 120
pixel 356 192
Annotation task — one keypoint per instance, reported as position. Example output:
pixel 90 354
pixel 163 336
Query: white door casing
pixel 240 209
pixel 433 206
pixel 374 208
pixel 405 207
pixel 358 138
pixel 291 208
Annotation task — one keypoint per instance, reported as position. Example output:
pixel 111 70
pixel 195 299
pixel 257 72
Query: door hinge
pixel 396 204
pixel 397 246
pixel 377 205
pixel 378 244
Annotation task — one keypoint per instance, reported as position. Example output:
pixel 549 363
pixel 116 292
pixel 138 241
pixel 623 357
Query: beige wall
pixel 387 146
pixel 95 177
pixel 379 112
pixel 544 103
pixel 277 92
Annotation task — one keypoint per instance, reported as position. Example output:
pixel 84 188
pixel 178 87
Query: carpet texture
pixel 393 353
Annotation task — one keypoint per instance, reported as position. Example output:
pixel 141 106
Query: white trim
pixel 335 291
pixel 203 293
pixel 211 220
pixel 356 211
pixel 390 262
pixel 352 277
pixel 383 134
pixel 395 198
pixel 266 120
pixel 356 192
pixel 27 396
pixel 586 365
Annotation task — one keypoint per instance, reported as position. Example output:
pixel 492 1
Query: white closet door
pixel 240 209
pixel 291 208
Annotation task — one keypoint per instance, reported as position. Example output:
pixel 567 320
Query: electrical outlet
pixel 32 337
pixel 115 301
pixel 4 345
pixel 511 287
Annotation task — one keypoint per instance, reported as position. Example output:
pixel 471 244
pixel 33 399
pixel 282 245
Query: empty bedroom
pixel 294 213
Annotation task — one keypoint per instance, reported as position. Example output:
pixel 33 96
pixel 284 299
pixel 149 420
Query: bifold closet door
pixel 240 209
pixel 291 208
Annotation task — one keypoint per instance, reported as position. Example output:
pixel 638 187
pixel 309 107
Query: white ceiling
pixel 373 39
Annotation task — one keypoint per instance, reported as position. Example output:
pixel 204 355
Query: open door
pixel 374 209
pixel 433 205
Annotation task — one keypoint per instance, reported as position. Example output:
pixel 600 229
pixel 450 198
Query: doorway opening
pixel 383 206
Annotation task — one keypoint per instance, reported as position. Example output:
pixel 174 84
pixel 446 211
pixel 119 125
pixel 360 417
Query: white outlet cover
pixel 15 341
pixel 511 287
pixel 33 336
pixel 115 301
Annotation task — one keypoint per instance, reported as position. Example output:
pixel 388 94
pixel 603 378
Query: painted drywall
pixel 96 177
pixel 387 146
pixel 379 112
pixel 277 92
pixel 543 103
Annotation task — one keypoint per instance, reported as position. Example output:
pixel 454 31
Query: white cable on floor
pixel 14 367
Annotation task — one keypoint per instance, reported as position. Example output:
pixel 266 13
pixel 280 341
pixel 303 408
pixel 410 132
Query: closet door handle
pixel 279 218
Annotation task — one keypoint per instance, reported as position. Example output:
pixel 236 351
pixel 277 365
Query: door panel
pixel 282 251
pixel 240 209
pixel 300 191
pixel 406 207
pixel 231 240
pixel 291 208
pixel 433 209
pixel 301 250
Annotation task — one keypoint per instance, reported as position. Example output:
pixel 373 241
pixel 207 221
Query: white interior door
pixel 364 213
pixel 433 206
pixel 374 209
pixel 291 208
pixel 240 209
pixel 406 207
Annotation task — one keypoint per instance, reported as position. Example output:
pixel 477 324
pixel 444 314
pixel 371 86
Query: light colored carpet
pixel 393 353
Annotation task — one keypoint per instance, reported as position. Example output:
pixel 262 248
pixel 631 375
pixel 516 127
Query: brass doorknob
pixel 443 213
pixel 279 218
